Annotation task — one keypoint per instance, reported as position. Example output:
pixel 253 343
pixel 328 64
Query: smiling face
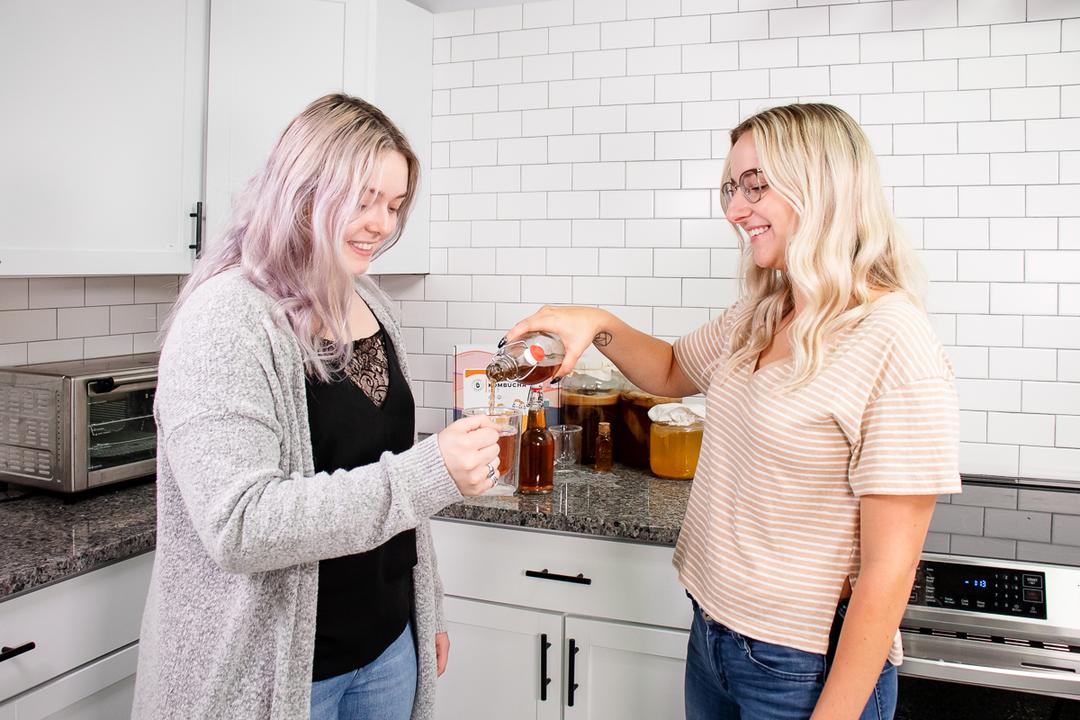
pixel 377 217
pixel 770 221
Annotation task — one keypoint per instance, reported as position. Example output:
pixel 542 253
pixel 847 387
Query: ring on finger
pixel 492 474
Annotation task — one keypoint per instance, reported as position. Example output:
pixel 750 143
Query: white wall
pixel 578 148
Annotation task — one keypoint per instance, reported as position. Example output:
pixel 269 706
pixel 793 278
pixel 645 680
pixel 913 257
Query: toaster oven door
pixel 119 438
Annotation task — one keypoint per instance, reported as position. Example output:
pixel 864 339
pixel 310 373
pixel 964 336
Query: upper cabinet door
pixel 269 59
pixel 101 135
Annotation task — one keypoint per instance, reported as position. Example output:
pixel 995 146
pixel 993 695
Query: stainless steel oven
pixel 74 426
pixel 997 623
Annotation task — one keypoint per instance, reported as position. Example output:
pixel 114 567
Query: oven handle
pixel 110 385
pixel 1062 683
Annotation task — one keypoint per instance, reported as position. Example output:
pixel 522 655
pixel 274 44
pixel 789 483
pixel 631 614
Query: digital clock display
pixel 977 582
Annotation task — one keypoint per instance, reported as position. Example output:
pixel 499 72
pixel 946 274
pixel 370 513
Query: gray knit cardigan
pixel 243 519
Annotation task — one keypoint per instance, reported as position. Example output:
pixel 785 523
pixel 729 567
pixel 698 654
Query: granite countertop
pixel 46 539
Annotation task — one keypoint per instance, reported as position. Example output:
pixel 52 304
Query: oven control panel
pixel 980 588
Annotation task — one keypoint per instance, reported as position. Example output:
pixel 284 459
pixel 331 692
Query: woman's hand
pixel 469 447
pixel 442 651
pixel 576 326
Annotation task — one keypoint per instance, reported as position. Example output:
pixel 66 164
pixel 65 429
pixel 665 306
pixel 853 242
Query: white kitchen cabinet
pixel 101 135
pixel 85 635
pixel 630 672
pixel 619 603
pixel 500 656
pixel 268 60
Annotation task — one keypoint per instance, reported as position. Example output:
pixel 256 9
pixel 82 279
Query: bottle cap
pixel 605 426
pixel 534 354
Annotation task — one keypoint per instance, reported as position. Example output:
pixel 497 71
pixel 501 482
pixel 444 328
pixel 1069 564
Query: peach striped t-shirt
pixel 772 524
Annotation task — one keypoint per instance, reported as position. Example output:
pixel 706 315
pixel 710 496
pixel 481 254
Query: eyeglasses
pixel 752 183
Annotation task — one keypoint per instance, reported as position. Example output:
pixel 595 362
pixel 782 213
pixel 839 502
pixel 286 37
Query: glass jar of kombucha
pixel 632 431
pixel 587 397
pixel 675 441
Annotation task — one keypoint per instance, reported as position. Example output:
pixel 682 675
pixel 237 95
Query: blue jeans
pixel 383 689
pixel 731 677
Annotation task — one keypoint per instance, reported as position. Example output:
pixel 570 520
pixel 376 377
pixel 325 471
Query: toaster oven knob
pixel 103 385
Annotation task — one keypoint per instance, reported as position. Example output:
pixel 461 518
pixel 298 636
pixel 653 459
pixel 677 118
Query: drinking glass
pixel 509 422
pixel 567 445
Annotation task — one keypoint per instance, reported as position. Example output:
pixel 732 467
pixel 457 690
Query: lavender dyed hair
pixel 287 227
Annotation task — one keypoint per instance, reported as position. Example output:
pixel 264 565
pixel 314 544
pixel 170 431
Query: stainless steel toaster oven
pixel 73 426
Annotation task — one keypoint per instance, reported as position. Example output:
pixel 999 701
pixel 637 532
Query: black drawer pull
pixel 544 679
pixel 570 674
pixel 580 578
pixel 6 653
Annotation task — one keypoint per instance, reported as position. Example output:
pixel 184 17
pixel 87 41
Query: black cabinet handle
pixel 571 685
pixel 580 578
pixel 6 653
pixel 544 679
pixel 198 215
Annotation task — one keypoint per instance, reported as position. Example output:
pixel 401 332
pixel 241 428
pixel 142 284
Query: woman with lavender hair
pixel 294 573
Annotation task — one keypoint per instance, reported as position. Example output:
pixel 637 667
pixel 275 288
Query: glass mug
pixel 509 422
pixel 567 446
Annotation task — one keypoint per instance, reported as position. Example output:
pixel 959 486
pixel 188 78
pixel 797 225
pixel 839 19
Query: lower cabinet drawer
pixel 571 574
pixel 72 622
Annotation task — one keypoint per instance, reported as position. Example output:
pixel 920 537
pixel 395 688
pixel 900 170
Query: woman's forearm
pixel 646 361
pixel 874 612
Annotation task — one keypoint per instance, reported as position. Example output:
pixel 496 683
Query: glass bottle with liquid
pixel 537 469
pixel 604 449
pixel 531 359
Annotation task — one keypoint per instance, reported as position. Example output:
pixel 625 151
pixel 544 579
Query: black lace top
pixel 364 600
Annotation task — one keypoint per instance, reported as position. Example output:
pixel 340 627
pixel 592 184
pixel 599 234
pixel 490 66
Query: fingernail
pixel 555 381
pixel 503 341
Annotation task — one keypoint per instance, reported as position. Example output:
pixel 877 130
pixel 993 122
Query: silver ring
pixel 493 474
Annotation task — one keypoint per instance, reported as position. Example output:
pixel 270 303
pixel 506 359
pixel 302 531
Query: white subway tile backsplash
pixel 925 76
pixel 701 7
pixel 1053 200
pixel 1022 364
pixel 1025 38
pixel 523 42
pixel 1052 332
pixel 521 206
pixel 447 287
pixel 108 345
pixel 626 204
pixel 473 207
pixel 546 289
pixel 599 290
pixel 83 322
pixel 970 362
pixel 546 13
pixel 49 351
pixel 925 201
pixel 1052 266
pixel 681 263
pixel 493 19
pixel 474 47
pixel 626 34
pixel 1020 429
pixel 1024 103
pixel 652 175
pixel 829 50
pixel 599 63
pixel 675 322
pixel 545 233
pixel 799 81
pixel 958 105
pixel 654 292
pixel 626 262
pixel 991 137
pixel 1023 233
pixel 990 330
pixel 497 72
pixel 912 14
pixel 582 204
pixel 992 201
pixel 980 12
pixel 652 8
pixel 589 11
pixel 1067 432
pixel 886 46
pixel 108 290
pixel 1002 395
pixel 494 233
pixel 599 176
pixel 45 292
pixel 682 203
pixel 737 84
pixel 1046 9
pixel 682 88
pixel 681 31
pixel 1053 134
pixel 538 68
pixel 959 42
pixel 797 22
pixel 573 93
pixel 469 314
pixel 866 78
pixel 494 178
pixel 1049 463
pixel 1020 298
pixel 1000 72
pixel 958 297
pixel 574 148
pixel 740 26
pixel 626 90
pixel 652 233
pixel 453 23
pixel 869 17
pixel 754 54
pixel 1029 168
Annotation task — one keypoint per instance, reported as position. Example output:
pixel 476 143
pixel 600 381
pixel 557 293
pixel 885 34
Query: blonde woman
pixel 832 424
pixel 294 572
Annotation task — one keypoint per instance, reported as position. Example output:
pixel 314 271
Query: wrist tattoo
pixel 602 339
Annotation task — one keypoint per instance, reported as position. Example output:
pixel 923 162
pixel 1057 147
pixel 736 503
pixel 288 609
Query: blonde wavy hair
pixel 846 249
pixel 287 227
